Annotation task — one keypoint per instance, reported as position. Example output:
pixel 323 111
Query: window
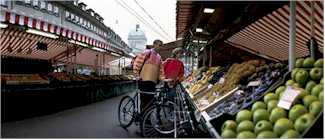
pixel 67 15
pixel 81 21
pixel 28 2
pixel 72 17
pixel 77 19
pixel 88 24
pixel 21 2
pixel 3 2
pixel 43 5
pixel 50 7
pixel 56 10
pixel 36 3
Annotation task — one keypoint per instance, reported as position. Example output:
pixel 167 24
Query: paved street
pixel 97 120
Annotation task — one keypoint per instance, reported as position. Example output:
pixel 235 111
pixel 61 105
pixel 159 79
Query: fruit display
pixel 18 79
pixel 268 117
pixel 203 82
pixel 247 93
pixel 230 80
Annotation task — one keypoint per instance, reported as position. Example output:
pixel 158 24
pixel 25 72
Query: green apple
pixel 308 99
pixel 290 134
pixel 260 114
pixel 321 81
pixel 316 73
pixel 262 126
pixel 321 97
pixel 317 89
pixel 277 113
pixel 299 63
pixel 266 134
pixel 290 82
pixel 279 90
pixel 315 108
pixel 258 105
pixel 282 125
pixel 310 85
pixel 301 77
pixel 229 124
pixel 245 126
pixel 308 62
pixel 319 63
pixel 303 122
pixel 302 94
pixel 297 85
pixel 270 96
pixel 228 134
pixel 246 135
pixel 293 72
pixel 243 115
pixel 272 104
pixel 296 111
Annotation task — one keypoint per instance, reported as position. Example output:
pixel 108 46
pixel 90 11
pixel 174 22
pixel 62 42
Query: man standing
pixel 147 66
pixel 174 70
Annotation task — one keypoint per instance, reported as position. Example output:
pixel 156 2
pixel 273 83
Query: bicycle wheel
pixel 158 121
pixel 126 111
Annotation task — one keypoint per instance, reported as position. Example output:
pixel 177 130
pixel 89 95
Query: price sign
pixel 221 80
pixel 254 83
pixel 210 86
pixel 288 97
pixel 197 115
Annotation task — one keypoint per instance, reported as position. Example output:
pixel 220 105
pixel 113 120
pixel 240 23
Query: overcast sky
pixel 121 21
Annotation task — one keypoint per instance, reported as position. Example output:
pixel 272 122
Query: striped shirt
pixel 153 58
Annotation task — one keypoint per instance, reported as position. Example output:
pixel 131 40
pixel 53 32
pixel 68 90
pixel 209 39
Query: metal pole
pixel 210 60
pixel 292 35
pixel 312 31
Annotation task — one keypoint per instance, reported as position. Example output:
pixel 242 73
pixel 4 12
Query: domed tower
pixel 137 40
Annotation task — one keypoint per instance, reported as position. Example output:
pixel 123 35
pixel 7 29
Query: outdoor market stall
pixel 255 97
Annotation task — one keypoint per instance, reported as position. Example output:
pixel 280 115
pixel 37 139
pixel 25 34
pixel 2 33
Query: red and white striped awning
pixel 270 34
pixel 12 18
pixel 16 42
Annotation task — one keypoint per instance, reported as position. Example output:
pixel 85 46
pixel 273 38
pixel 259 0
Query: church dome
pixel 137 34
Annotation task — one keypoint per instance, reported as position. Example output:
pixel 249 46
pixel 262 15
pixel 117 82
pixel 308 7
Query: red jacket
pixel 174 69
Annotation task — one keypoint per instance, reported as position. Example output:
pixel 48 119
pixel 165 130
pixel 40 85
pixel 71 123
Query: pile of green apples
pixel 266 120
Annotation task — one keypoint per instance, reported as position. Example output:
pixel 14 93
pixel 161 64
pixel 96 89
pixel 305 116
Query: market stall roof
pixel 270 34
pixel 88 57
pixel 16 42
pixel 224 19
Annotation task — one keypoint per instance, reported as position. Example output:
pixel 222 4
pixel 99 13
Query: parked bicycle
pixel 129 107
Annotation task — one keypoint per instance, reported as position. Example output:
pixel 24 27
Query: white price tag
pixel 288 97
pixel 197 115
pixel 221 80
pixel 210 86
pixel 254 83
